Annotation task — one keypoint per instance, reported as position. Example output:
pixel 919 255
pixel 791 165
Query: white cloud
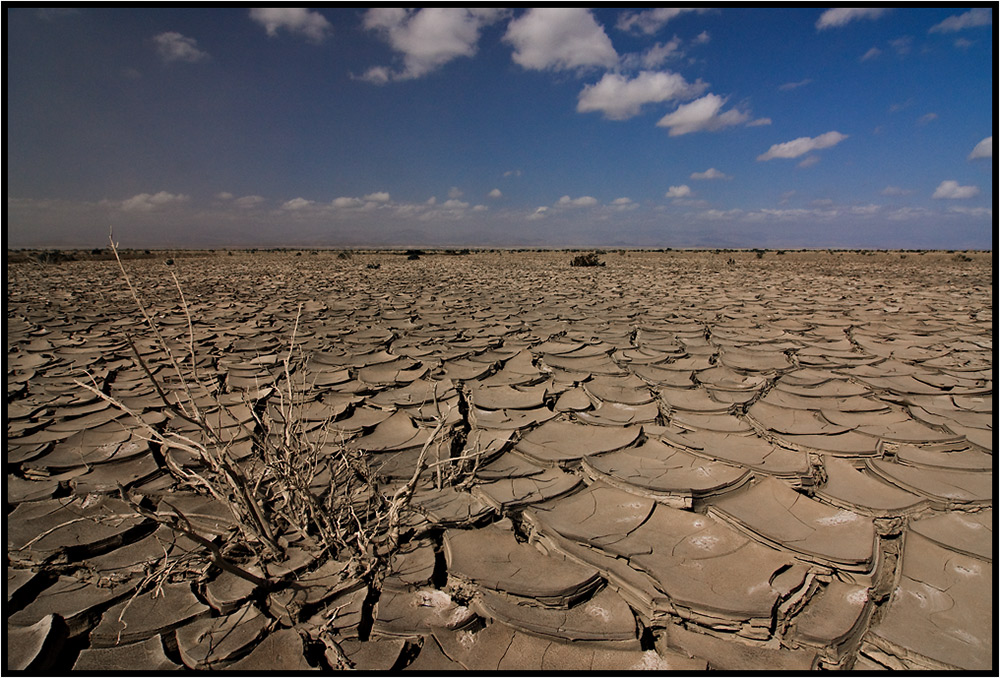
pixel 559 38
pixel 984 149
pixel 296 204
pixel 378 196
pixel 701 115
pixel 652 20
pixel 973 211
pixel 870 54
pixel 224 195
pixel 623 204
pixel 926 118
pixel 378 75
pixel 582 201
pixel 710 173
pixel 539 213
pixel 902 45
pixel 839 16
pixel 248 201
pixel 427 38
pixel 296 20
pixel 682 191
pixel 172 46
pixel 620 98
pixel 950 190
pixel 980 16
pixel 512 173
pixel 809 161
pixel 346 202
pixel 455 192
pixel 759 122
pixel 146 202
pixel 802 145
pixel 794 85
pixel 659 53
pixel 495 193
pixel 720 215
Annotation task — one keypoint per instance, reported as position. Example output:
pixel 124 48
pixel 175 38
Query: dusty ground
pixel 684 460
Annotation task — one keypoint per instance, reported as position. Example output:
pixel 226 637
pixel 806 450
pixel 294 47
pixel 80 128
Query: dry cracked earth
pixel 680 460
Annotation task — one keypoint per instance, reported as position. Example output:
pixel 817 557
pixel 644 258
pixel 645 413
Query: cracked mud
pixel 679 461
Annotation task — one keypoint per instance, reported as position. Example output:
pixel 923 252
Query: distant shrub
pixel 759 253
pixel 169 262
pixel 374 266
pixel 53 257
pixel 342 255
pixel 590 259
pixel 962 257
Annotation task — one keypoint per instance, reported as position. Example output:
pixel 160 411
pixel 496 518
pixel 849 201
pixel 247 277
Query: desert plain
pixel 679 460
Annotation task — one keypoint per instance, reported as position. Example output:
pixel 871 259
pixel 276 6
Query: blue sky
pixel 720 127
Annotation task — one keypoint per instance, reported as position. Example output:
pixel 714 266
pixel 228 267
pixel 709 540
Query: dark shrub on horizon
pixel 590 259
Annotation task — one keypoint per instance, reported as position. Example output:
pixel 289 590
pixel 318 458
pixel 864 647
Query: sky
pixel 728 126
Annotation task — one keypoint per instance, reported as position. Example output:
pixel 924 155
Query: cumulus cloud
pixel 495 193
pixel 296 20
pixel 582 201
pixel 559 38
pixel 347 202
pixel 701 115
pixel 620 98
pixel 427 38
pixel 682 191
pixel 980 16
pixel 296 204
pixel 652 20
pixel 710 173
pixel 840 16
pixel 146 202
pixel 623 203
pixel 539 213
pixel 378 196
pixel 802 145
pixel 950 190
pixel 658 54
pixel 172 46
pixel 984 149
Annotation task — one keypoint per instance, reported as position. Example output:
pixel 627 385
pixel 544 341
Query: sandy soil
pixel 684 460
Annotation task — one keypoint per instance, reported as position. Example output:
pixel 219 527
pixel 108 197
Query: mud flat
pixel 684 460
